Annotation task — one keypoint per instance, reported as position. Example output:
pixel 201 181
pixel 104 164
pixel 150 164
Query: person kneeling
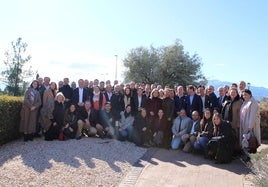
pixel 126 124
pixel 221 146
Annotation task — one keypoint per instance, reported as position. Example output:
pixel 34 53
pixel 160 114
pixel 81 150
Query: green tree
pixel 14 74
pixel 141 65
pixel 164 65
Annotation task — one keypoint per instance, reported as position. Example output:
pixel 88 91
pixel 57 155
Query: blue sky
pixel 80 38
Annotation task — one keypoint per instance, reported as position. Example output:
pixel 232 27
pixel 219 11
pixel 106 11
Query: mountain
pixel 257 92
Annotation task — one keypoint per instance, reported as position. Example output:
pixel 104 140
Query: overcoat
pixel 28 117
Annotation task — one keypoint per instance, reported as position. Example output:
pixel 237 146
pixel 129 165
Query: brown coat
pixel 47 109
pixel 236 114
pixel 28 117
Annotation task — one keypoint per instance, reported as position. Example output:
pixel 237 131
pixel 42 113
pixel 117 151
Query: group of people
pixel 148 115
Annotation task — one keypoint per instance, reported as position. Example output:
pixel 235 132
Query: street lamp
pixel 115 67
pixel 248 85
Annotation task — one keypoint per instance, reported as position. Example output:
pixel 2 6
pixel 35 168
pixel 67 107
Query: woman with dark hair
pixel 231 113
pixel 127 96
pixel 160 130
pixel 140 128
pixel 126 124
pixel 206 133
pixel 70 123
pixel 32 102
pixel 221 146
pixel 250 116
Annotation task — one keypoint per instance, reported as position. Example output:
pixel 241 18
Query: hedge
pixel 9 118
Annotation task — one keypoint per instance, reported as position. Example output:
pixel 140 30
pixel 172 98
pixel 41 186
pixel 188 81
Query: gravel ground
pixel 87 162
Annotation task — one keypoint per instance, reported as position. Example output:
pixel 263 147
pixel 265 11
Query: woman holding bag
pixel 250 116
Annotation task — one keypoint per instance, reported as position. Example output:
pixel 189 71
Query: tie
pixel 220 100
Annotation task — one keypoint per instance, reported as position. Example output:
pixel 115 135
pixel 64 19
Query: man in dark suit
pixel 67 92
pixel 88 120
pixel 80 94
pixel 222 97
pixel 138 101
pixel 212 97
pixel 191 132
pixel 205 98
pixel 180 99
pixel 108 92
pixel 193 101
pixel 117 103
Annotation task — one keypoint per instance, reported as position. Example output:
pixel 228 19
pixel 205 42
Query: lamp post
pixel 248 85
pixel 115 67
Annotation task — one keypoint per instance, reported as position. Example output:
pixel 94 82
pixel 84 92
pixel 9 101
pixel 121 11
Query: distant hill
pixel 257 92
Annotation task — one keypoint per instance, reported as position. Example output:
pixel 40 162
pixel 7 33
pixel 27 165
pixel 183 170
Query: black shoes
pixel 28 137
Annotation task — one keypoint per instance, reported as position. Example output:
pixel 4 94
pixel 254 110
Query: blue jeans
pixel 202 144
pixel 176 141
pixel 126 133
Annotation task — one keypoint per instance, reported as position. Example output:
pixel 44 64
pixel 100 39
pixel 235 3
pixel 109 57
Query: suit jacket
pixel 93 117
pixel 221 102
pixel 107 97
pixel 213 101
pixel 135 103
pixel 196 105
pixel 67 91
pixel 180 102
pixel 117 103
pixel 76 95
pixel 206 103
pixel 197 127
pixel 169 108
pixel 180 125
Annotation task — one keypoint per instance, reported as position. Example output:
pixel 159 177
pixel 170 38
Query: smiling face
pixel 216 120
pixel 246 96
pixel 34 85
pixel 207 114
pixel 128 109
pixel 143 113
pixel 72 108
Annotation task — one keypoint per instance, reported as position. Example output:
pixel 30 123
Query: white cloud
pixel 220 64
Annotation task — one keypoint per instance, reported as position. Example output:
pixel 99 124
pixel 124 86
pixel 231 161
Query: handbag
pixel 61 136
pixel 253 143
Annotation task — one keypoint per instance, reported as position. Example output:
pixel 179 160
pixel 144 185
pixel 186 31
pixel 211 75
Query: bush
pixel 10 108
pixel 264 121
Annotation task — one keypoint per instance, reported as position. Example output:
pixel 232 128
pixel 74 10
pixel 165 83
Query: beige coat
pixel 47 109
pixel 28 117
pixel 236 114
pixel 250 118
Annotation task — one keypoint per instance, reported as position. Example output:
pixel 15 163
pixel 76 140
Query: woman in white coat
pixel 250 116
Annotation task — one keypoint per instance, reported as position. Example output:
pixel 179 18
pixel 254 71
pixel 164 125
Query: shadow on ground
pixel 40 155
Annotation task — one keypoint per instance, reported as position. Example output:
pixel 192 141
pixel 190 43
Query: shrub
pixel 10 108
pixel 264 120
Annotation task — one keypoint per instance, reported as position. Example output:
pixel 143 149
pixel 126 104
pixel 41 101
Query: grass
pixel 260 167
